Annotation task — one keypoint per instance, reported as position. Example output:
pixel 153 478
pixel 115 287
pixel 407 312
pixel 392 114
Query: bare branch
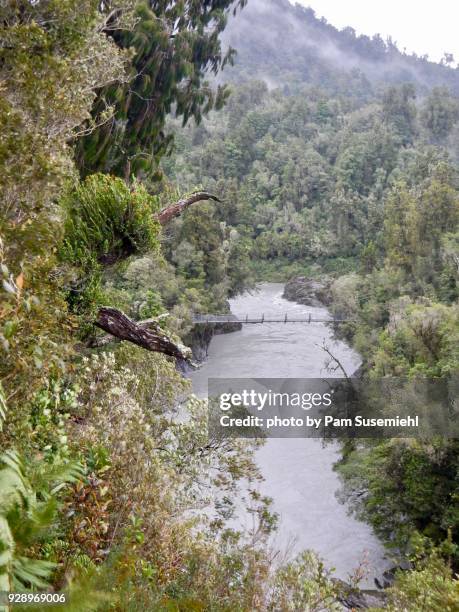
pixel 174 210
pixel 147 334
pixel 339 365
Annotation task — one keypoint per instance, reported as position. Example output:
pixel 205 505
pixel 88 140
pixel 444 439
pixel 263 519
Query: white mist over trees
pixel 284 43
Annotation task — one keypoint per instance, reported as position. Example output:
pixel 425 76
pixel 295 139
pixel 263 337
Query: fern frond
pixel 26 511
pixel 6 554
pixel 13 488
pixel 31 573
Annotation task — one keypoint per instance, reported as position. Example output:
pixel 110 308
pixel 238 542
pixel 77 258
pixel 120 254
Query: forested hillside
pixel 286 45
pixel 306 176
pixel 139 188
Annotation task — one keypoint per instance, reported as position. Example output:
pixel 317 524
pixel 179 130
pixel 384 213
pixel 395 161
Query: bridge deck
pixel 205 319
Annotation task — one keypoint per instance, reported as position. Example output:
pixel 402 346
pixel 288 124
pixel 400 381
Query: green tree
pixel 400 111
pixel 439 113
pixel 396 233
pixel 174 45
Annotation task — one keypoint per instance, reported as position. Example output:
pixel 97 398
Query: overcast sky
pixel 422 26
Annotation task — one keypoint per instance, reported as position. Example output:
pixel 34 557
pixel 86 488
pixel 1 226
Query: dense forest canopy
pixel 306 177
pixel 319 153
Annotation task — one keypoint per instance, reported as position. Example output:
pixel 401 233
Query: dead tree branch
pixel 99 341
pixel 174 210
pixel 146 334
pixel 338 366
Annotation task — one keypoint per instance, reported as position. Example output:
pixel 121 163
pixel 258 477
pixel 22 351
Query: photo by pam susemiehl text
pixel 332 407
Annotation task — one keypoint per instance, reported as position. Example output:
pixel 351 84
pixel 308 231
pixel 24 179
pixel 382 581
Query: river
pixel 298 473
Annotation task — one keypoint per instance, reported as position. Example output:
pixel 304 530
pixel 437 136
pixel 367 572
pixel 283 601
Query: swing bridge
pixel 210 319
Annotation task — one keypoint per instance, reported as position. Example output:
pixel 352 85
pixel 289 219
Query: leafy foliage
pixel 327 199
pixel 106 220
pixel 52 58
pixel 26 513
pixel 431 586
pixel 174 45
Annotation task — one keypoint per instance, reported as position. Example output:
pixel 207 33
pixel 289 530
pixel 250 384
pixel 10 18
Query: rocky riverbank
pixel 201 336
pixel 308 291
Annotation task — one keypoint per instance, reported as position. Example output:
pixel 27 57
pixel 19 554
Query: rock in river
pixel 308 291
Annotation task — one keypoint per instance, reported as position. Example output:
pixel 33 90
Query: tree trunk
pixel 121 327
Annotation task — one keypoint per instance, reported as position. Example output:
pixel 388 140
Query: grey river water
pixel 298 473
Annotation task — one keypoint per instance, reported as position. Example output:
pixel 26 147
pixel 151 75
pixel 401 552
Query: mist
pixel 283 43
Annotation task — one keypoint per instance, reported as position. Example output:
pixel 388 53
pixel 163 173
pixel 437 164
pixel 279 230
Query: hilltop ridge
pixel 288 45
